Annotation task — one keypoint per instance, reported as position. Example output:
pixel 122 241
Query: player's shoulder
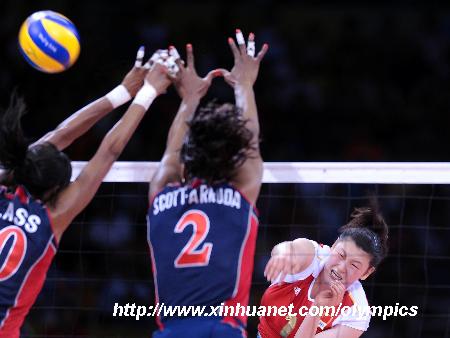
pixel 322 251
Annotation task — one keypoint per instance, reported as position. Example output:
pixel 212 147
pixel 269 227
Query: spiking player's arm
pixel 241 78
pixel 82 120
pixel 191 89
pixel 77 195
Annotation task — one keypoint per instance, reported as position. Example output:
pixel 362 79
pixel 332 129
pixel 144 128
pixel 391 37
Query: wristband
pixel 118 96
pixel 145 95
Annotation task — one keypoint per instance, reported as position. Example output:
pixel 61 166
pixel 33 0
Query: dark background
pixel 342 81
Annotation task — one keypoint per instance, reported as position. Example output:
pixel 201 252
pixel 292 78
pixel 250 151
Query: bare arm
pixel 82 120
pixel 242 77
pixel 191 89
pixel 78 194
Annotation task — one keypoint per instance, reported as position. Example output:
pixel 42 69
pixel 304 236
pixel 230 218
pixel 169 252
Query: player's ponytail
pixel 13 145
pixel 369 231
pixel 42 168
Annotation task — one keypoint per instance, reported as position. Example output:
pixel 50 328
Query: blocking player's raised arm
pixel 242 78
pixel 191 88
pixel 82 120
pixel 77 195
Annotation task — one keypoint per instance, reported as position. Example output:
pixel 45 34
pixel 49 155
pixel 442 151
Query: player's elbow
pixel 112 148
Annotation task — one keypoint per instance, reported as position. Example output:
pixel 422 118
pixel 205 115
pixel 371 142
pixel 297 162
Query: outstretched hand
pixel 246 65
pixel 158 77
pixel 134 79
pixel 282 264
pixel 187 82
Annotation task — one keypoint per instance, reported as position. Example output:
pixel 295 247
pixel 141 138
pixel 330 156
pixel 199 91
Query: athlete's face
pixel 347 263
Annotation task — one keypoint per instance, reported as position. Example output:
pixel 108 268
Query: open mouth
pixel 334 275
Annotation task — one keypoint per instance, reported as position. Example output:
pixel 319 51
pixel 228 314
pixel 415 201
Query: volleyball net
pixel 103 258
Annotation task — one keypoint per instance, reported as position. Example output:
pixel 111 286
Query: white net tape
pixel 308 172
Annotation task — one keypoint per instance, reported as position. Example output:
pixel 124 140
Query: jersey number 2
pixel 192 255
pixel 16 252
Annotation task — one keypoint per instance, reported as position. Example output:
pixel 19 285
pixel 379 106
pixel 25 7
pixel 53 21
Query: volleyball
pixel 49 41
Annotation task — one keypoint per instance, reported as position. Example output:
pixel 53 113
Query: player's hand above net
pixel 186 81
pixel 158 77
pixel 246 65
pixel 134 79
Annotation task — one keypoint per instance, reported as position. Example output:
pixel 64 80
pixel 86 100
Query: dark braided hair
pixel 42 169
pixel 217 143
pixel 369 231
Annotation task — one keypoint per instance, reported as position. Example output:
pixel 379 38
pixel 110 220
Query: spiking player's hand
pixel 246 65
pixel 134 79
pixel 187 82
pixel 283 262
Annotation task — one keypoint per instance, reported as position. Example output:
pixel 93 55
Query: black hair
pixel 42 169
pixel 369 231
pixel 217 143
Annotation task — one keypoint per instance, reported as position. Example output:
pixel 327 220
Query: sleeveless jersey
pixel 297 291
pixel 27 247
pixel 202 242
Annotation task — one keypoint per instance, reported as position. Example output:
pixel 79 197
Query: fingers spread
pixel 262 52
pixel 215 73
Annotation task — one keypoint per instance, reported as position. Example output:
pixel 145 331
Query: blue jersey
pixel 202 241
pixel 27 247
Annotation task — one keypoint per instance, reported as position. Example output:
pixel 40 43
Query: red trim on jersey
pixel 196 182
pixel 244 273
pixel 23 196
pixel 28 292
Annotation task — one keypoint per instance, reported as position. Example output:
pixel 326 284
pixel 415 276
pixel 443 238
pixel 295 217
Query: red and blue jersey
pixel 202 241
pixel 27 247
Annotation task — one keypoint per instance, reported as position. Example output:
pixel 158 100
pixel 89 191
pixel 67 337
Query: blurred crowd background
pixel 342 81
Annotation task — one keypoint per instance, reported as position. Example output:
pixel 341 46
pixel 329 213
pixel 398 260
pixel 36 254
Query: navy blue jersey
pixel 202 241
pixel 27 247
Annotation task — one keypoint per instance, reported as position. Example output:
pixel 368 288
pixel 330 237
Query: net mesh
pixel 103 257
